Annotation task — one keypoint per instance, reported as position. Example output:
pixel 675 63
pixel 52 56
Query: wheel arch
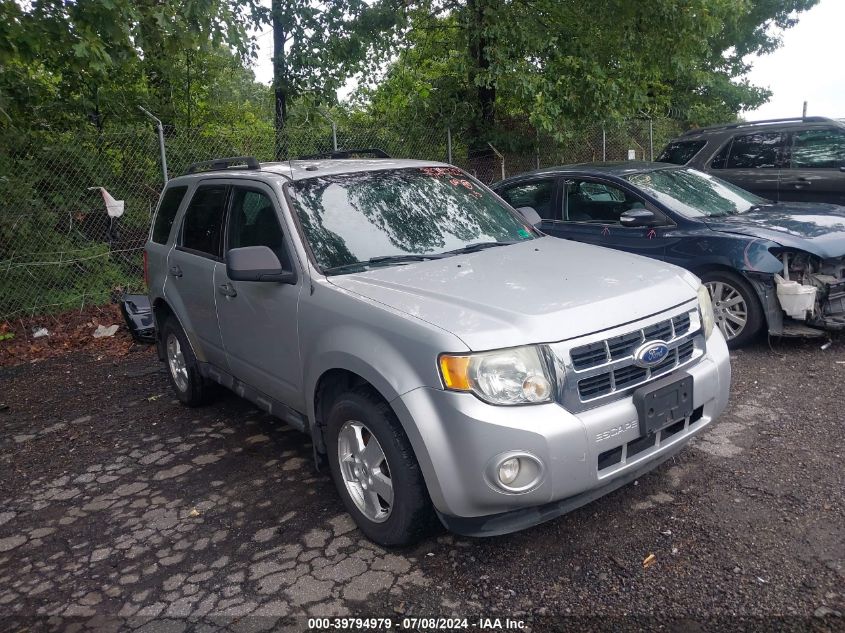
pixel 762 297
pixel 329 385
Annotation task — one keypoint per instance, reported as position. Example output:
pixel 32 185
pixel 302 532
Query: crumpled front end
pixel 812 289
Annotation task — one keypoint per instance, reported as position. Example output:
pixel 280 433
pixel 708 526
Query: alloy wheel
pixel 365 472
pixel 729 308
pixel 176 363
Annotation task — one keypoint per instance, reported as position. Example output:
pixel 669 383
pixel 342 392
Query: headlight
pixel 706 307
pixel 509 376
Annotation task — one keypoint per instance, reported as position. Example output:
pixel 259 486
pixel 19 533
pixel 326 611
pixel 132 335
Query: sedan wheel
pixel 729 308
pixel 365 472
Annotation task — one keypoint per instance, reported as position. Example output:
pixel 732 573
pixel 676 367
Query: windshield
pixel 695 194
pixel 394 215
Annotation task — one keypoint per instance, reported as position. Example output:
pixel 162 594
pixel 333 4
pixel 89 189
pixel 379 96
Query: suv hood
pixel 538 291
pixel 816 228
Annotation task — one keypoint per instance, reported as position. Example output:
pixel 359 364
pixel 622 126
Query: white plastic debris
pixel 797 300
pixel 113 207
pixel 40 332
pixel 103 331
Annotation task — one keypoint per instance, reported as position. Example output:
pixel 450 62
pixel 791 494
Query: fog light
pixel 509 470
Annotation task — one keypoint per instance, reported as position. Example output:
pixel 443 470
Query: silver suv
pixel 447 359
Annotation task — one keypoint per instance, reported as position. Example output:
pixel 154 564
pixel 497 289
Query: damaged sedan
pixel 775 267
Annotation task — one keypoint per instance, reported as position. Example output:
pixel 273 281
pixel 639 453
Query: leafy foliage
pixel 554 61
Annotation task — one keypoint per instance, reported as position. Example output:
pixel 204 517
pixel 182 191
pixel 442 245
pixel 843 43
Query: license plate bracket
pixel 664 402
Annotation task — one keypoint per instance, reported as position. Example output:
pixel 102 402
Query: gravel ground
pixel 121 509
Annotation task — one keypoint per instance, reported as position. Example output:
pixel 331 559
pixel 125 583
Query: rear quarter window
pixel 680 152
pixel 170 201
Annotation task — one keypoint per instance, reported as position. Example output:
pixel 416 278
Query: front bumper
pixel 456 438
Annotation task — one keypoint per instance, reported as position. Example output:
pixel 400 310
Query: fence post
pixel 334 127
pixel 651 140
pixel 502 158
pixel 160 142
pixel 603 144
pixel 449 144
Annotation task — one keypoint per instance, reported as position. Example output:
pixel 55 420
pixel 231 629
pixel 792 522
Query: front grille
pixel 595 386
pixel 629 375
pixel 681 323
pixel 685 351
pixel 619 347
pixel 588 356
pixel 600 369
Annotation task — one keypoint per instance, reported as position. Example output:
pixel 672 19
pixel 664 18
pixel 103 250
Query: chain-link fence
pixel 61 247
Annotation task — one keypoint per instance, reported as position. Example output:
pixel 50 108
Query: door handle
pixel 228 290
pixel 175 271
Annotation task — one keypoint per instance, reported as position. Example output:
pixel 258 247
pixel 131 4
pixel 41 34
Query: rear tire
pixel 375 470
pixel 736 307
pixel 182 368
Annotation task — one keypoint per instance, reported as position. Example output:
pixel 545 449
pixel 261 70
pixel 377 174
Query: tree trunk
pixel 280 92
pixel 481 157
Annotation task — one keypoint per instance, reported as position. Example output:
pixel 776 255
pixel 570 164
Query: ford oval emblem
pixel 651 353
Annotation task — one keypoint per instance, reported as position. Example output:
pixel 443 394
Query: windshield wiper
pixel 399 259
pixel 382 260
pixel 474 248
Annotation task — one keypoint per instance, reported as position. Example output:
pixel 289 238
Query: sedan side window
pixel 818 149
pixel 202 228
pixel 253 222
pixel 597 202
pixel 538 194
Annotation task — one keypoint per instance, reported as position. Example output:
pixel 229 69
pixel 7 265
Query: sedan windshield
pixel 378 218
pixel 695 194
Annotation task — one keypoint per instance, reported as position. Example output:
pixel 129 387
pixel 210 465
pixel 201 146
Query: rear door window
pixel 167 209
pixel 818 149
pixel 202 228
pixel 538 194
pixel 751 151
pixel 680 152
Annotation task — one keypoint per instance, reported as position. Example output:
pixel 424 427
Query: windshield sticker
pixel 524 234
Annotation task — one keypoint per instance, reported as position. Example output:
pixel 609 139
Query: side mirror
pixel 530 214
pixel 256 263
pixel 638 217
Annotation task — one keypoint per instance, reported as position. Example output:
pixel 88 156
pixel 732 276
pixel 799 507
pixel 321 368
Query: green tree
pixel 78 50
pixel 317 45
pixel 550 62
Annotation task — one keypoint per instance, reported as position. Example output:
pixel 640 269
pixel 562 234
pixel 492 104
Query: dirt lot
pixel 119 508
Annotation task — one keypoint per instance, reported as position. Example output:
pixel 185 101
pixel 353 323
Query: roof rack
pixel 730 126
pixel 373 152
pixel 222 164
pixel 738 124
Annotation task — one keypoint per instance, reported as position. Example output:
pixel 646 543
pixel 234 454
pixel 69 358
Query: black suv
pixel 797 160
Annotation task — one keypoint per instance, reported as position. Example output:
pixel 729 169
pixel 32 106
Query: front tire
pixel 182 368
pixel 736 307
pixel 375 470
